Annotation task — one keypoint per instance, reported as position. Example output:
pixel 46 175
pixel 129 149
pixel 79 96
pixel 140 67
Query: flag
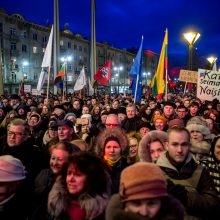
pixel 91 90
pixel 136 75
pixel 21 88
pixel 46 62
pixel 81 81
pixel 158 81
pixel 214 68
pixel 104 74
pixel 58 81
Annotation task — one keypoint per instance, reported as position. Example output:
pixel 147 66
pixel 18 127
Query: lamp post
pixel 212 60
pixel 65 59
pixel 118 69
pixel 191 38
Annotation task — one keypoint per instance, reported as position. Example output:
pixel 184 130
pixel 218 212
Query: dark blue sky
pixel 122 22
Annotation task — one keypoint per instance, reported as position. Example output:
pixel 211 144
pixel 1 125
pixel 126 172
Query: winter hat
pixel 159 117
pixel 11 169
pixel 177 122
pixel 197 123
pixel 70 114
pixel 65 122
pixel 142 180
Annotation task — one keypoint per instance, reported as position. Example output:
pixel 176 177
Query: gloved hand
pixel 178 191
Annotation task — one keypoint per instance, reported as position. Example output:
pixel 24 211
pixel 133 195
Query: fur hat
pixel 144 148
pixel 177 122
pixel 197 123
pixel 108 134
pixel 11 169
pixel 159 117
pixel 142 180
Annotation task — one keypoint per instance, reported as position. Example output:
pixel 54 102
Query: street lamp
pixel 191 38
pixel 118 69
pixel 65 59
pixel 212 60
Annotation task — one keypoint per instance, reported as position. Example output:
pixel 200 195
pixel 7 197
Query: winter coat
pixel 171 209
pixel 59 202
pixel 201 198
pixel 131 124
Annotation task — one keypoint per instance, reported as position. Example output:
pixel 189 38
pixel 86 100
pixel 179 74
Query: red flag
pixel 104 74
pixel 21 88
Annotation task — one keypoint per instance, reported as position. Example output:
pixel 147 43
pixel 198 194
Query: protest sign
pixel 208 86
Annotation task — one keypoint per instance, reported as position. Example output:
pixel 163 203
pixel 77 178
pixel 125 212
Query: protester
pixel 143 195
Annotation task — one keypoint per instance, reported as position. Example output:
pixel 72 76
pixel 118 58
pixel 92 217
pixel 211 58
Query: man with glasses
pixel 17 143
pixel 112 121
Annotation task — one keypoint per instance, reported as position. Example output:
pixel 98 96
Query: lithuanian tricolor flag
pixel 158 81
pixel 60 76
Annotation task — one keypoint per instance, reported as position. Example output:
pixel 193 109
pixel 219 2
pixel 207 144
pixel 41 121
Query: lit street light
pixel 191 38
pixel 212 60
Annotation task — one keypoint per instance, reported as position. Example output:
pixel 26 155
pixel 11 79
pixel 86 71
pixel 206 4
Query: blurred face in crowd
pixel 57 159
pixel 186 103
pixel 58 111
pixel 112 121
pixel 76 180
pixel 212 116
pixel 157 112
pixel 76 105
pixel 196 135
pixel 144 207
pixel 133 147
pixel 45 109
pixel 148 110
pixel 178 145
pixel 159 124
pixel 16 135
pixel 121 116
pixel 193 110
pixel 131 111
pixel 144 130
pixel 46 102
pixel 217 149
pixel 156 149
pixel 85 110
pixel 103 118
pixel 115 105
pixel 112 150
pixel 5 102
pixel 21 111
pixel 53 132
pixel 33 120
pixel 56 102
pixel 65 133
pixel 97 110
pixel 209 123
pixel 152 104
pixel 94 102
pixel 168 110
pixel 29 102
pixel 181 112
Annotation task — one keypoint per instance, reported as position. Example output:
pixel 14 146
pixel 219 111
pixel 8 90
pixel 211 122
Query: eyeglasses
pixel 111 125
pixel 17 134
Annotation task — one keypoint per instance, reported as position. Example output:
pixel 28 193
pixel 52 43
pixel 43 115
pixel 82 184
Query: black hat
pixel 65 122
pixel 15 96
pixel 122 110
pixel 104 112
pixel 145 125
pixel 52 124
pixel 60 107
pixel 169 103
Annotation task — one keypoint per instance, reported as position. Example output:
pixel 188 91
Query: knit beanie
pixel 161 118
pixel 142 180
pixel 11 169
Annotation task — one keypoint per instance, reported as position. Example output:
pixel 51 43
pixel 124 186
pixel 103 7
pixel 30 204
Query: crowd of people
pixel 104 157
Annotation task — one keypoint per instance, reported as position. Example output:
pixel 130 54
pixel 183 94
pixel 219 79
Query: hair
pixel 131 105
pixel 81 144
pixel 65 146
pixel 92 166
pixel 178 129
pixel 20 122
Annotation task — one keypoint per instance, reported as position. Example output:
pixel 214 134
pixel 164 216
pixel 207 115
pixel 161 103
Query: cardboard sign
pixel 82 121
pixel 188 76
pixel 208 87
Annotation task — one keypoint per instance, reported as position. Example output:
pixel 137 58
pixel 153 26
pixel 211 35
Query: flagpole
pixel 64 81
pixel 136 87
pixel 166 66
pixel 48 83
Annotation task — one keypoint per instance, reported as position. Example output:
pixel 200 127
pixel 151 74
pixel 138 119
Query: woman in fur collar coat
pixel 82 192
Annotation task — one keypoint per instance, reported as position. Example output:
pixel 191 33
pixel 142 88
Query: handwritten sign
pixel 208 87
pixel 188 76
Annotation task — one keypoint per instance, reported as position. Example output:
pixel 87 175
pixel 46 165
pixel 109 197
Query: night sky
pixel 122 22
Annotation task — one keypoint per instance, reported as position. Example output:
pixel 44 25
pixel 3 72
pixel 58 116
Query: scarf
pixel 111 162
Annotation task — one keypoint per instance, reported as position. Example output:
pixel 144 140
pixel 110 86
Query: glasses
pixel 17 134
pixel 111 125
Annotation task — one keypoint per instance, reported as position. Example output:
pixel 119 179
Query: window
pixel 34 36
pixel 24 48
pixel 13 46
pixel 24 34
pixel 44 39
pixel 12 31
pixel 85 49
pixel 80 48
pixel 34 49
pixel 61 43
pixel 75 47
pixel 1 27
pixel 69 45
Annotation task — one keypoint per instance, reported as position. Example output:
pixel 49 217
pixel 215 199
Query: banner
pixel 208 85
pixel 188 76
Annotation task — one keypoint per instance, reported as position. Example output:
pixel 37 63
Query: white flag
pixel 81 81
pixel 214 68
pixel 46 62
pixel 91 90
